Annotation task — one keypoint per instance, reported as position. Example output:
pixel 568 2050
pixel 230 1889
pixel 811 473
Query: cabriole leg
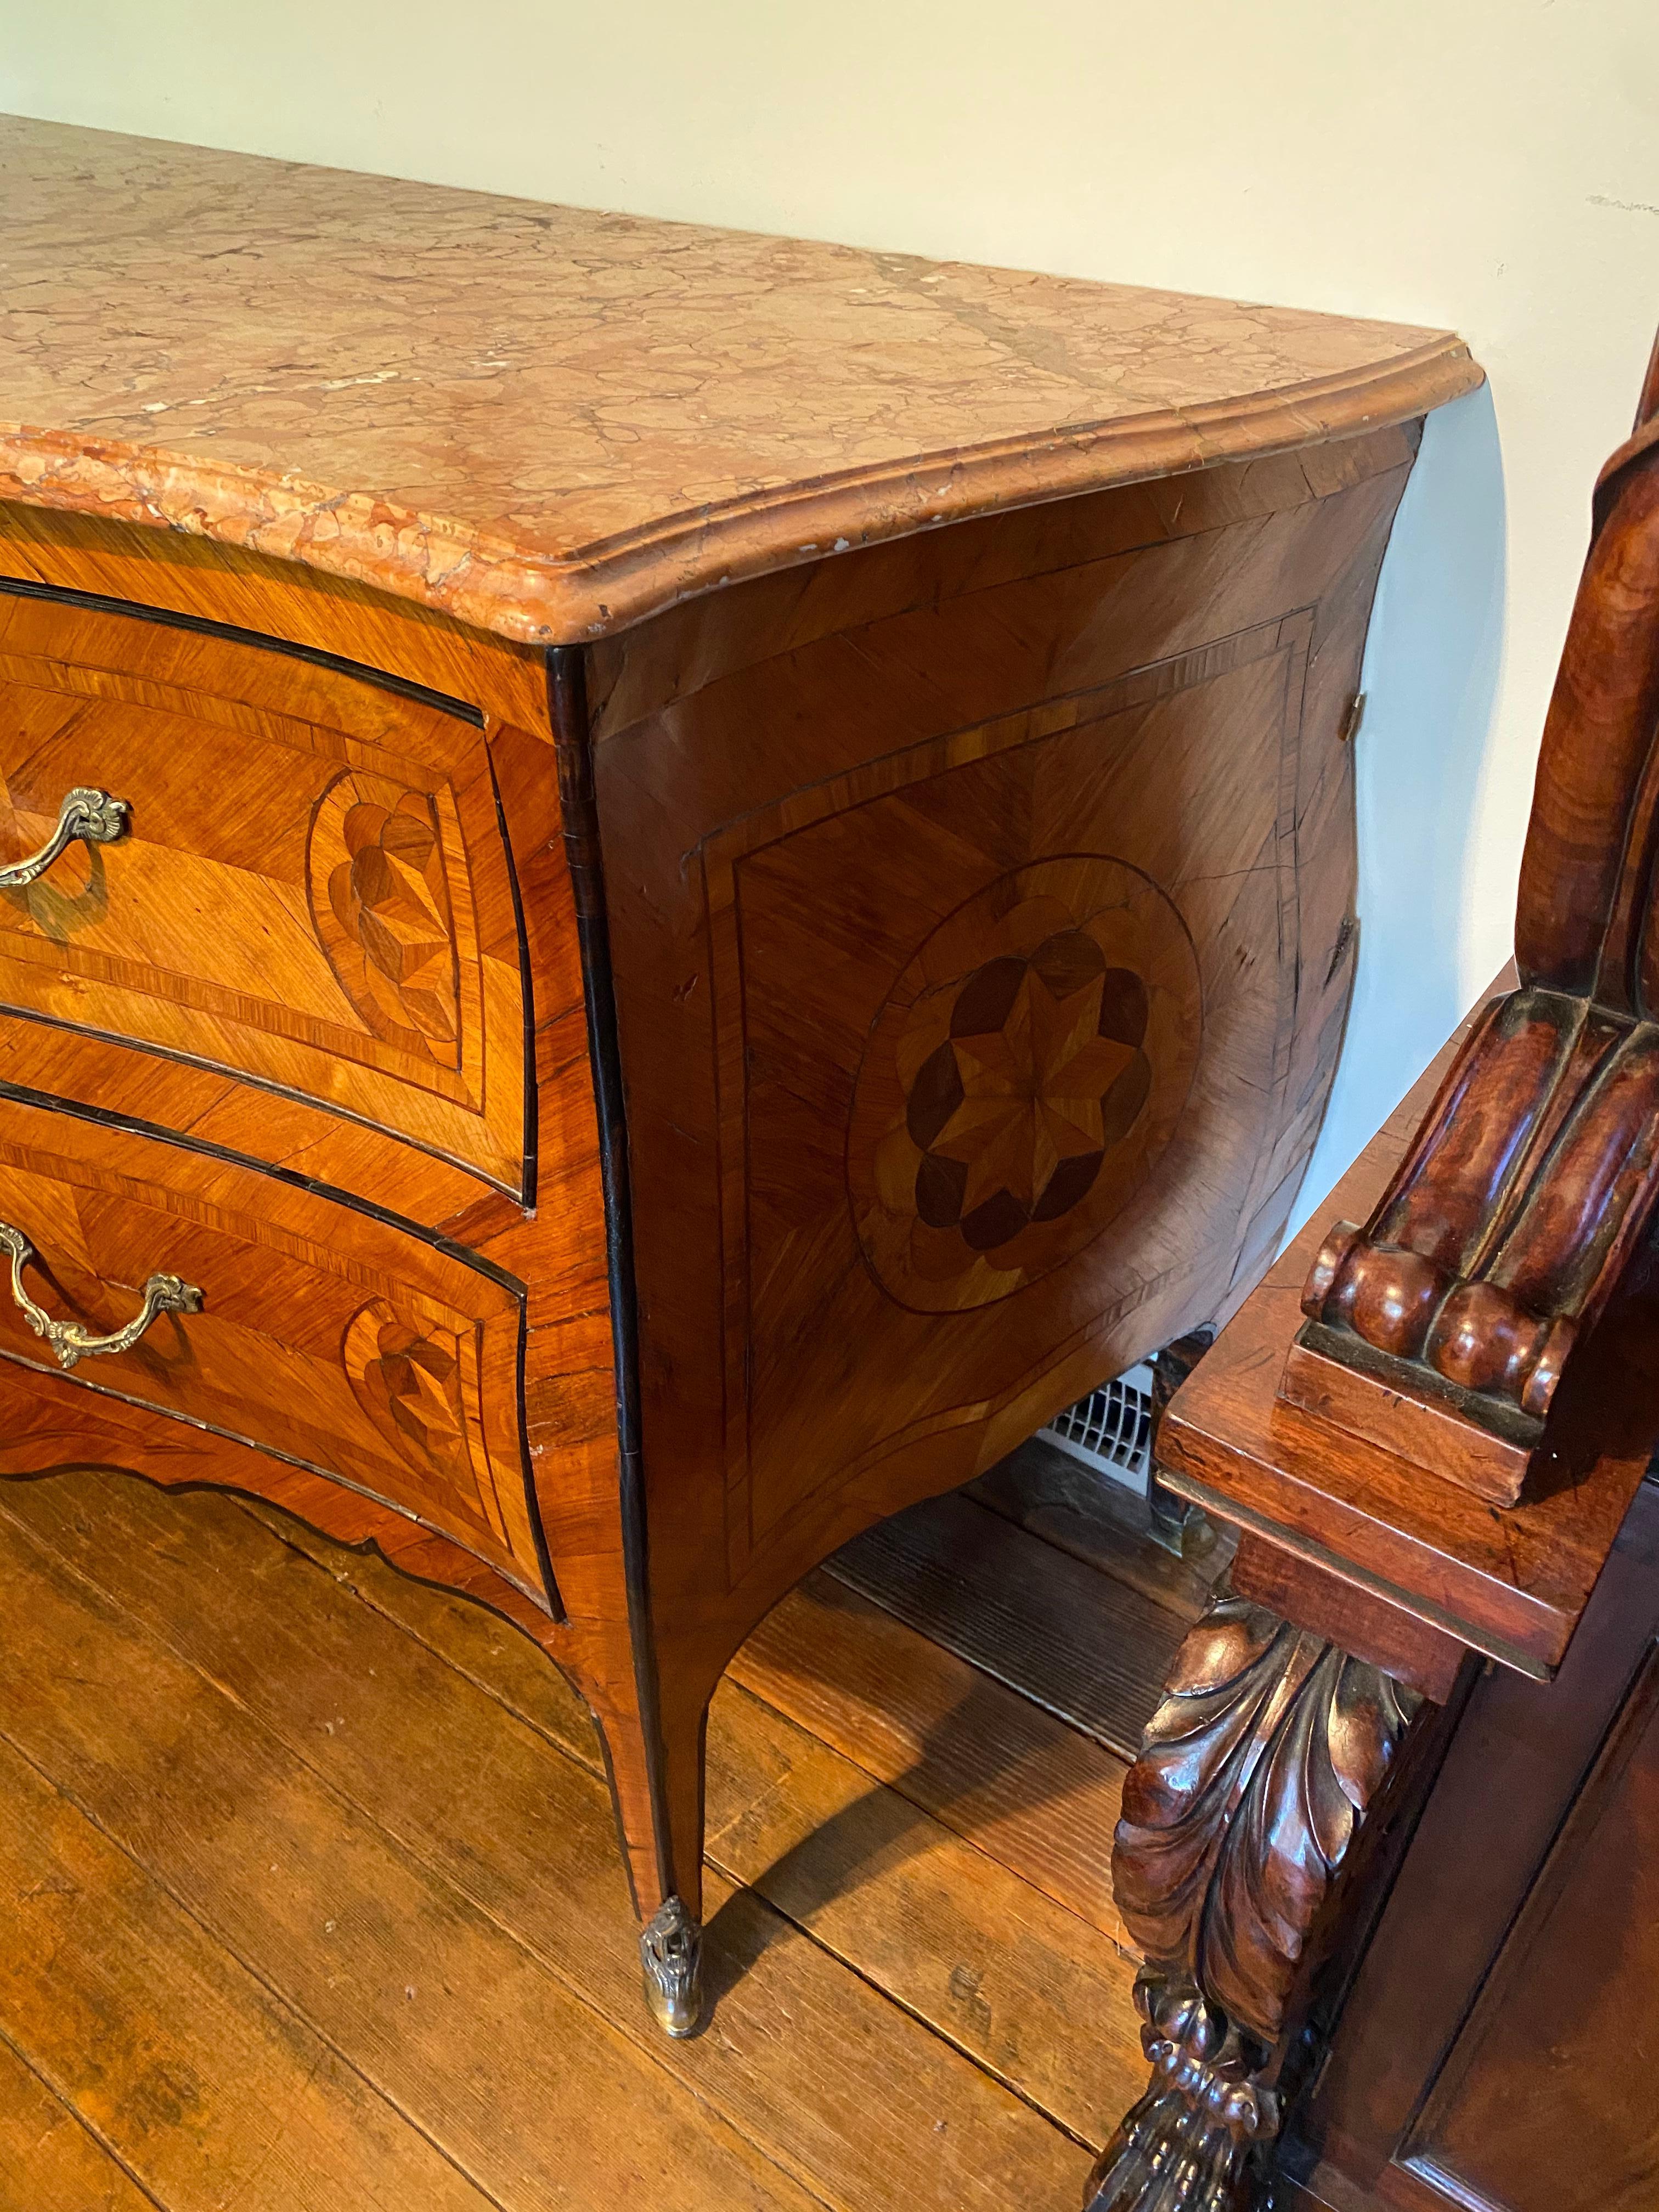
pixel 656 1769
pixel 1254 1778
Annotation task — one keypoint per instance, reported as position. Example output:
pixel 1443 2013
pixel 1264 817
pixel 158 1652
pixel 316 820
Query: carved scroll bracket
pixel 1254 1778
pixel 1442 1328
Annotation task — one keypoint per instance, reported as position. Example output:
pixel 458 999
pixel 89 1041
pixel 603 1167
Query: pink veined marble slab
pixel 550 422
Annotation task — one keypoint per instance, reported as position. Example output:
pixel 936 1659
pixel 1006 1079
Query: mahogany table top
pixel 552 422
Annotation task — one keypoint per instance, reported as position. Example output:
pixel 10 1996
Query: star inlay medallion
pixel 1021 1080
pixel 1041 1073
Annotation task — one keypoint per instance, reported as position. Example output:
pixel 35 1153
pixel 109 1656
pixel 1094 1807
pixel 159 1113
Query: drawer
pixel 324 1335
pixel 310 889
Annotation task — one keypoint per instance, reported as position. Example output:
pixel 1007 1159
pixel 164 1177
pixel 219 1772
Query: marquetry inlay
pixel 381 906
pixel 1021 1080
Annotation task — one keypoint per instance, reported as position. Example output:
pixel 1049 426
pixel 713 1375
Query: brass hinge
pixel 1352 719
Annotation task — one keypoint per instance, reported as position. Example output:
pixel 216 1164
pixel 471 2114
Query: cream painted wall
pixel 1491 165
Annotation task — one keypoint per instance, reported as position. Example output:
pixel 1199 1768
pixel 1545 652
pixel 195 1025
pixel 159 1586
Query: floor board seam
pixel 355 1590
pixel 967 1842
pixel 879 1781
pixel 809 2185
pixel 940 2034
pixel 896 1784
pixel 644 2040
pixel 850 1579
pixel 763 1897
pixel 729 1874
pixel 277 1996
pixel 87 2126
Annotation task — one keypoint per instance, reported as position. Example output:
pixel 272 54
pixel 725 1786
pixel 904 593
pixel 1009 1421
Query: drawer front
pixel 310 887
pixel 323 1334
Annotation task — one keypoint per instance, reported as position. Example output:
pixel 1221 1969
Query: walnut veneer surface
pixel 551 421
pixel 639 1108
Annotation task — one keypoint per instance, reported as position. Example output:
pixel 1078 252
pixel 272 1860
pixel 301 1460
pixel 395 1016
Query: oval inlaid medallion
pixel 1021 1080
pixel 409 1378
pixel 380 903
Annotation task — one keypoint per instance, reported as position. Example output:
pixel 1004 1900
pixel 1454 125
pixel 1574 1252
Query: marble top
pixel 552 422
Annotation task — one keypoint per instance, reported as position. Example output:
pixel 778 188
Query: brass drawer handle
pixel 69 1341
pixel 91 815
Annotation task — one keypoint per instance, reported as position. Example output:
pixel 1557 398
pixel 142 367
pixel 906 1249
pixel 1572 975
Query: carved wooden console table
pixel 660 886
pixel 1430 1423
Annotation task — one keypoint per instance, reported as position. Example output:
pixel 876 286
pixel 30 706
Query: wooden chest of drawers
pixel 311 891
pixel 345 1345
pixel 667 963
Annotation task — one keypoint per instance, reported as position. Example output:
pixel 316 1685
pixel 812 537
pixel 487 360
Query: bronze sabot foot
pixel 670 1951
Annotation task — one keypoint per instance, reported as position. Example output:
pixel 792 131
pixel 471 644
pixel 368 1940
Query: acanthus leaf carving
pixel 1302 1807
pixel 1254 1776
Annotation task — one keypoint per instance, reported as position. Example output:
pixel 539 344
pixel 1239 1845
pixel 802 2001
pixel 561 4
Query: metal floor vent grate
pixel 1111 1429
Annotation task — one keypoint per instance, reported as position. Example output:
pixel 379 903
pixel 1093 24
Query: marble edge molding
pixel 486 580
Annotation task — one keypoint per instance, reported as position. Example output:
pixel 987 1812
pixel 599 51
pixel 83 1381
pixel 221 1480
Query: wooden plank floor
pixel 315 1902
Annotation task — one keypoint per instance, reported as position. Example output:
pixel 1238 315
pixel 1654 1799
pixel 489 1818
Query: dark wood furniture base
pixel 1436 1462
